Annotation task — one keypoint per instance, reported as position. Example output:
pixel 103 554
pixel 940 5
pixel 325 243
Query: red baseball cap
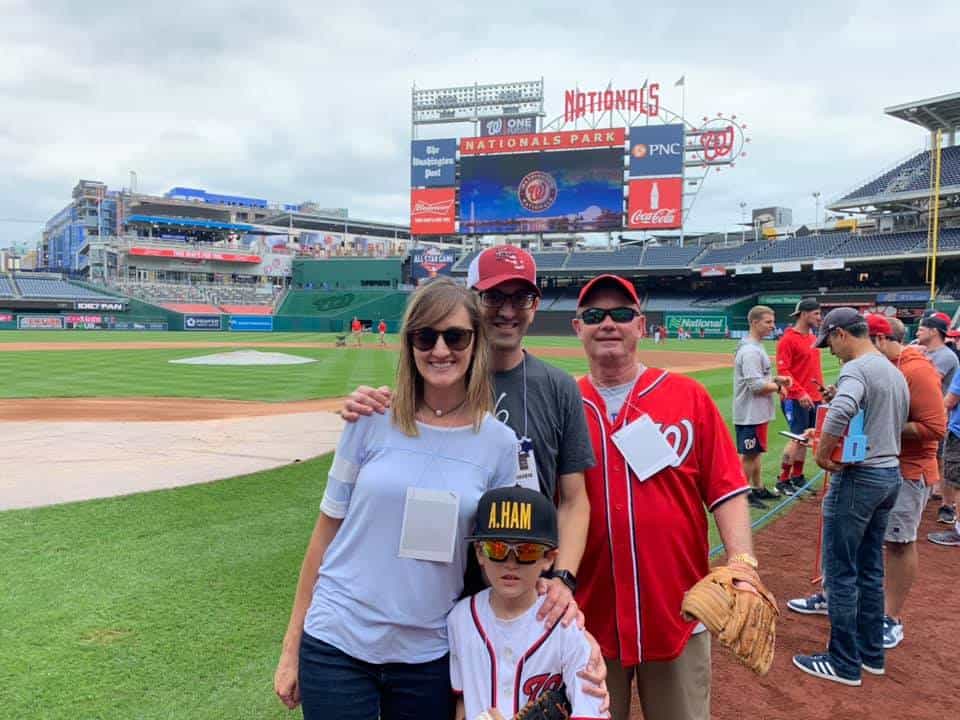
pixel 879 325
pixel 614 281
pixel 498 265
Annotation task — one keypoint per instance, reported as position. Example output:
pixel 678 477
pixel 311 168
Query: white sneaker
pixel 892 633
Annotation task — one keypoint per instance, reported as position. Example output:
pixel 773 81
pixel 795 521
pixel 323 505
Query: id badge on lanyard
pixel 527 472
pixel 644 447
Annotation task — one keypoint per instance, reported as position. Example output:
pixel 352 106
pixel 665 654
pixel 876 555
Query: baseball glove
pixel 741 620
pixel 551 705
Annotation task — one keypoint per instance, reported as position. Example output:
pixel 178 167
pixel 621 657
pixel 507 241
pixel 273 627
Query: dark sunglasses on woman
pixel 454 338
pixel 595 316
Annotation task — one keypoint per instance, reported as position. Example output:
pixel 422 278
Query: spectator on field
pixel 382 329
pixel 859 500
pixel 932 335
pixel 424 463
pixel 926 425
pixel 648 541
pixel 799 360
pixel 950 487
pixel 356 329
pixel 754 392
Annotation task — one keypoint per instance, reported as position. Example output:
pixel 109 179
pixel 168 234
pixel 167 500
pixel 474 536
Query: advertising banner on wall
pixel 433 163
pixel 98 305
pixel 713 271
pixel 576 191
pixel 785 267
pixel 656 150
pixel 568 140
pixel 251 323
pixel 430 262
pixel 177 253
pixel 655 204
pixel 711 324
pixel 201 322
pixel 6 317
pixel 275 265
pixel 509 125
pixel 433 211
pixel 828 264
pixel 133 325
pixel 747 270
pixel 40 322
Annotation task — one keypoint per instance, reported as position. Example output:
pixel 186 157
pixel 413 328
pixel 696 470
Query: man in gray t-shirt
pixel 931 334
pixel 754 393
pixel 859 500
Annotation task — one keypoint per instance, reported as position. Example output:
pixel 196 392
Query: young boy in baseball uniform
pixel 501 657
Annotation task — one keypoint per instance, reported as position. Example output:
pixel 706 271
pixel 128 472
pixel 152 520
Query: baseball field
pixel 144 602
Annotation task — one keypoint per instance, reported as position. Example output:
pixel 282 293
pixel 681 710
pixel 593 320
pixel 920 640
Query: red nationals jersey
pixel 647 542
pixel 798 358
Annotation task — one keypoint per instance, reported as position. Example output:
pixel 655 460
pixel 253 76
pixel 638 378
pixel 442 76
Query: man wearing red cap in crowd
pixel 664 454
pixel 799 360
pixel 540 403
pixel 926 426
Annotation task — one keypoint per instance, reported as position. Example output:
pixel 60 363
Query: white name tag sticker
pixel 430 522
pixel 644 447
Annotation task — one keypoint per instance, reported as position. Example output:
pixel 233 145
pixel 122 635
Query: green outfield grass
pixel 172 604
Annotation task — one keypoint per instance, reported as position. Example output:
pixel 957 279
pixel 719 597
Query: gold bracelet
pixel 744 558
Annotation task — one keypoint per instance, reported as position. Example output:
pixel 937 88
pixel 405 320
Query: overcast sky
pixel 310 101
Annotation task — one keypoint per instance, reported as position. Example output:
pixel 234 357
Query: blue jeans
pixel 336 685
pixel 855 513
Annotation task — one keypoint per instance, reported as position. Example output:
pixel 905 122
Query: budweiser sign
pixel 655 204
pixel 569 140
pixel 433 211
pixel 644 100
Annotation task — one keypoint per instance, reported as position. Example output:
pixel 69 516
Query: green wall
pixel 346 273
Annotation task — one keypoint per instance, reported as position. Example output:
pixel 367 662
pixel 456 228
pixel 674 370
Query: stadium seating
pixel 799 248
pixel 549 260
pixel 6 288
pixel 912 175
pixel 193 308
pixel 670 256
pixel 734 255
pixel 44 287
pixel 878 245
pixel 626 258
pixel 161 293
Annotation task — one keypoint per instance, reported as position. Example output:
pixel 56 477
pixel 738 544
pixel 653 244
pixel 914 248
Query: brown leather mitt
pixel 743 621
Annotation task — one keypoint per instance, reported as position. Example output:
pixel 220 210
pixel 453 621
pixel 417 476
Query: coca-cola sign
pixel 655 204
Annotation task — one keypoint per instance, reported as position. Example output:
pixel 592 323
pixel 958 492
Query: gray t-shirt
pixel 751 372
pixel 554 418
pixel 873 384
pixel 945 361
pixel 614 397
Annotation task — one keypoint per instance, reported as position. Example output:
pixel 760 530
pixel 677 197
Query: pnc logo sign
pixel 656 150
pixel 641 150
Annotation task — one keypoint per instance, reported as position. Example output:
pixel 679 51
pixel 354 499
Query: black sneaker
pixel 798 483
pixel 766 493
pixel 947 515
pixel 755 502
pixel 785 487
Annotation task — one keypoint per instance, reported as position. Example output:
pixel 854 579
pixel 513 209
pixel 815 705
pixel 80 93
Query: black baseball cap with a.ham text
pixel 516 514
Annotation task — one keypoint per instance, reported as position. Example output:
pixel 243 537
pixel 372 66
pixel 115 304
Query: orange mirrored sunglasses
pixel 525 552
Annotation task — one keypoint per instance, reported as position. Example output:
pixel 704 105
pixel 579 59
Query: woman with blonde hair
pixel 385 563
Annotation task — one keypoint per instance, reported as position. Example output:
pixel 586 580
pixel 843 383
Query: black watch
pixel 566 577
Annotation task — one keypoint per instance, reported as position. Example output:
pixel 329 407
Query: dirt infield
pixel 920 672
pixel 152 409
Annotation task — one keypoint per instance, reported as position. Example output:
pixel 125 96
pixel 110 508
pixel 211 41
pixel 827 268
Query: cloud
pixel 310 101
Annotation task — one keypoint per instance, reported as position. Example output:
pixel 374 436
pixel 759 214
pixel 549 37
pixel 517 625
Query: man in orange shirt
pixel 799 360
pixel 926 425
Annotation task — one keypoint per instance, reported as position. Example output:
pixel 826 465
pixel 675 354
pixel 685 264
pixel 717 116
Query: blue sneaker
pixel 821 666
pixel 873 670
pixel 815 604
pixel 892 633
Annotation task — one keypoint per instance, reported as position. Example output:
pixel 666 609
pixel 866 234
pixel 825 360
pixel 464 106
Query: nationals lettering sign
pixel 655 204
pixel 644 100
pixel 433 211
pixel 569 140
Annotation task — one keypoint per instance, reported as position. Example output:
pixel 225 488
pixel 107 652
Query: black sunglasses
pixel 595 316
pixel 522 300
pixel 454 338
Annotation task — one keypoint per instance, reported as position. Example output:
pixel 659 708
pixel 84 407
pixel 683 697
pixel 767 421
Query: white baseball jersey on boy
pixel 506 663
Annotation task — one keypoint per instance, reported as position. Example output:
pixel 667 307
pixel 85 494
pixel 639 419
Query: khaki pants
pixel 674 690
